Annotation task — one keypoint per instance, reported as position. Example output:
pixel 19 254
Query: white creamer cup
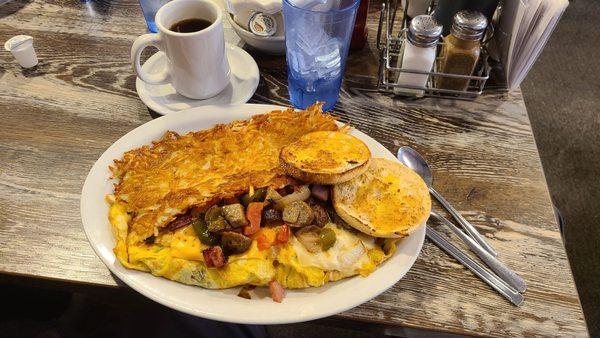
pixel 21 47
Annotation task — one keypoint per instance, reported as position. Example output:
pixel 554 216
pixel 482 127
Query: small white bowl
pixel 274 45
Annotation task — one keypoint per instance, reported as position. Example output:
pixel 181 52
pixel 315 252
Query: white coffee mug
pixel 198 66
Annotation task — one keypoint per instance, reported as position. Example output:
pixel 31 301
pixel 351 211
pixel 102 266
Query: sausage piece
pixel 235 215
pixel 271 217
pixel 321 215
pixel 235 243
pixel 298 213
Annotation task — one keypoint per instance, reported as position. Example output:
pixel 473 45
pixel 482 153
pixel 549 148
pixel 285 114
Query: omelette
pixel 214 208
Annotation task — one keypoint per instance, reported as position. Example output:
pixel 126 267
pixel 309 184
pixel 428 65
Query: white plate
pixel 163 99
pixel 224 305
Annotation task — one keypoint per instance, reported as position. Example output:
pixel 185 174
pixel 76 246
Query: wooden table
pixel 58 118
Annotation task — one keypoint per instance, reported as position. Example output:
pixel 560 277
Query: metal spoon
pixel 412 159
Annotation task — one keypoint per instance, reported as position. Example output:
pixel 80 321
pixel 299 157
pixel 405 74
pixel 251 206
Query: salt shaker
pixel 461 49
pixel 418 53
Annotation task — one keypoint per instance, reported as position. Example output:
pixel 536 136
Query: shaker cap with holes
pixel 469 25
pixel 424 31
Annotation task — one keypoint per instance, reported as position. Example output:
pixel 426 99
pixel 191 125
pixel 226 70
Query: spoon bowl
pixel 412 159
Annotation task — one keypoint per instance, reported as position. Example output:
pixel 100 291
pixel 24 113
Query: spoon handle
pixel 491 279
pixel 506 274
pixel 470 229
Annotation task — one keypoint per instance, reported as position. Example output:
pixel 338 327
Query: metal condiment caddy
pixel 389 51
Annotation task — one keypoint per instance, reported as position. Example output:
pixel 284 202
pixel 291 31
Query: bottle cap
pixel 469 25
pixel 424 31
pixel 21 47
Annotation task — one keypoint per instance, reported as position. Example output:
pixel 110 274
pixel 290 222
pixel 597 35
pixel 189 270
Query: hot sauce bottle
pixel 360 33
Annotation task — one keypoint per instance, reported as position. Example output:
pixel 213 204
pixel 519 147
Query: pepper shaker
pixel 461 49
pixel 445 10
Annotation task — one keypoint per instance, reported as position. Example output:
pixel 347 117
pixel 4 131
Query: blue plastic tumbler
pixel 149 8
pixel 317 37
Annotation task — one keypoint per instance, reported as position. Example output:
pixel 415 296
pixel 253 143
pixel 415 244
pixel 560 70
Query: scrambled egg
pixel 178 256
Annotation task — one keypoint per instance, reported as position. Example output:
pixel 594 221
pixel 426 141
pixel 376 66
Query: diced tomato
pixel 214 257
pixel 262 242
pixel 283 234
pixel 253 214
pixel 276 290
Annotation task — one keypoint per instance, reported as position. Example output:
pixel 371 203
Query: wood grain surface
pixel 58 118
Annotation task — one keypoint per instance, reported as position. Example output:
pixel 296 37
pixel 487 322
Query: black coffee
pixel 190 25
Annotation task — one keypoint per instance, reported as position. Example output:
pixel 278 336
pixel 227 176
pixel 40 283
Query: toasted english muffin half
pixel 325 157
pixel 388 200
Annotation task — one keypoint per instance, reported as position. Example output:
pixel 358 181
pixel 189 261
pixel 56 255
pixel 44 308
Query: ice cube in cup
pixel 328 62
pixel 317 52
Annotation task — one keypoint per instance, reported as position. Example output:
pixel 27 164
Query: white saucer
pixel 163 98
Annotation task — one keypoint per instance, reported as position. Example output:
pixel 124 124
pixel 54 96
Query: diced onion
pixel 310 238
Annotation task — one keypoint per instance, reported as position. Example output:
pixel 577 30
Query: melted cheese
pixel 186 245
pixel 348 253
